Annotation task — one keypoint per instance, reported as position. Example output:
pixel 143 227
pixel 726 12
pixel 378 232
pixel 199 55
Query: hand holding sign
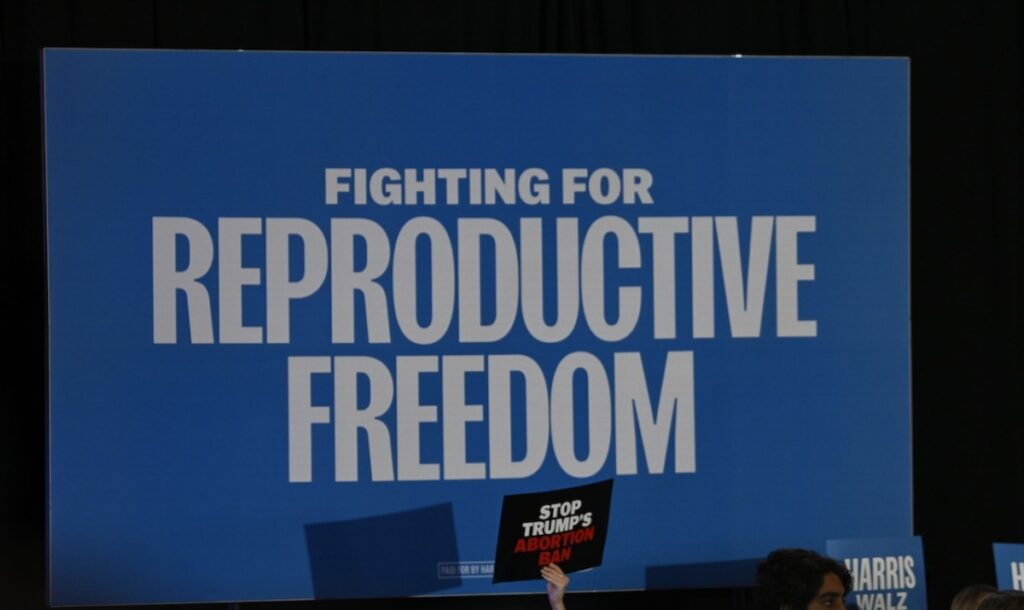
pixel 557 583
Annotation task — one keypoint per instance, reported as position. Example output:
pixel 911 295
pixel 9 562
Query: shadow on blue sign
pixel 394 555
pixel 714 575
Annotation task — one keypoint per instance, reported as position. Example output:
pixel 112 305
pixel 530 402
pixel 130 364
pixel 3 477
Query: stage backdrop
pixel 313 315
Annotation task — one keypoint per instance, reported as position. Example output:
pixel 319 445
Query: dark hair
pixel 792 577
pixel 970 596
pixel 1003 600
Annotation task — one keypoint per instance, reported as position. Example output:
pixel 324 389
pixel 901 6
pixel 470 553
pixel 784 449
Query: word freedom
pixel 590 270
pixel 547 416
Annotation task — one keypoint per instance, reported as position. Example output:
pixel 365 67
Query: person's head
pixel 1003 600
pixel 970 596
pixel 798 579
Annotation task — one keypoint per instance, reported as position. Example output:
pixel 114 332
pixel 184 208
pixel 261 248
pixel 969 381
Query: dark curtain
pixel 966 67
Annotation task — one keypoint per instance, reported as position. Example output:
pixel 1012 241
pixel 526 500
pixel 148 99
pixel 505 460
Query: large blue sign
pixel 312 316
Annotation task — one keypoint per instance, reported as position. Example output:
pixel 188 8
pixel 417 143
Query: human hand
pixel 557 583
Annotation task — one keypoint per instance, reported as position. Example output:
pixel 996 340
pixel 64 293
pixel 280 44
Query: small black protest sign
pixel 564 526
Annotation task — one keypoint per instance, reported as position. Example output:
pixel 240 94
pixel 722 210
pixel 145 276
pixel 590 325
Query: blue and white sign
pixel 1009 559
pixel 313 315
pixel 887 574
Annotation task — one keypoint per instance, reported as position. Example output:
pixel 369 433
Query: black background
pixel 966 67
